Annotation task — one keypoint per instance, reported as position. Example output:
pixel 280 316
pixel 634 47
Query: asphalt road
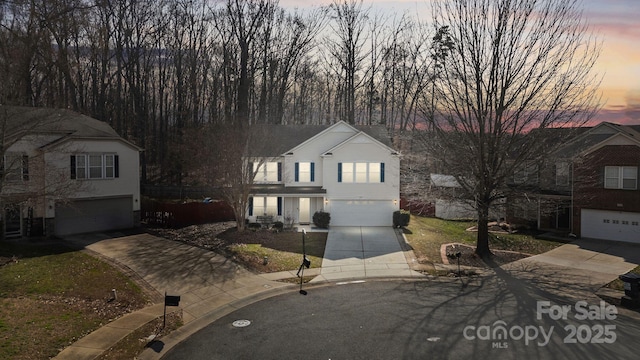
pixel 433 319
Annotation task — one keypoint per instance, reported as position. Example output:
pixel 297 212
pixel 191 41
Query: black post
pixel 164 316
pixel 304 261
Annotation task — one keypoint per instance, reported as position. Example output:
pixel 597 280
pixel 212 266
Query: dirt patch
pixel 468 256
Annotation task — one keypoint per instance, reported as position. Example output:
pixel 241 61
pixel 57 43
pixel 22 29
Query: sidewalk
pixel 209 285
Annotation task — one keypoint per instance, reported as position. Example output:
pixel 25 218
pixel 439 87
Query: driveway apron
pixel 583 264
pixel 361 252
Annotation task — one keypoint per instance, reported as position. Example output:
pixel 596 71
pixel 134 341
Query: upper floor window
pixel 621 177
pixel 270 171
pixel 526 173
pixel 94 166
pixel 360 172
pixel 304 172
pixel 562 173
pixel 15 167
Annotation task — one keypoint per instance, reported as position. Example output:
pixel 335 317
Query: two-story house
pixel 350 172
pixel 587 187
pixel 66 173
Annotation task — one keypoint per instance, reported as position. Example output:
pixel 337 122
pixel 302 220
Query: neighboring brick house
pixel 588 187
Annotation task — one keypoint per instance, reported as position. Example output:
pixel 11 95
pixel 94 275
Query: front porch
pixel 293 206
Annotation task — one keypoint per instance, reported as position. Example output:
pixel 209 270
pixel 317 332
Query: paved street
pixel 362 319
pixel 428 319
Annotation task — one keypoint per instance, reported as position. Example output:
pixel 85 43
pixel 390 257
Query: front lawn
pixel 52 295
pixel 283 250
pixel 427 235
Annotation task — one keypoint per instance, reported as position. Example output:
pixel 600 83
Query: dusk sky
pixel 617 22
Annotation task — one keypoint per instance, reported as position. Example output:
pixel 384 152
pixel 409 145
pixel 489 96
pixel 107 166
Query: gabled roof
pixel 68 124
pixel 286 138
pixel 595 137
pixel 353 138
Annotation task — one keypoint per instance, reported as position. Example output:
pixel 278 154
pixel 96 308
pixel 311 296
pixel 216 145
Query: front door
pixel 304 209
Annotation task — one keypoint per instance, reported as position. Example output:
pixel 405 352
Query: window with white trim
pixel 267 172
pixel 15 167
pixel 562 173
pixel 526 173
pixel 621 177
pixel 304 172
pixel 94 166
pixel 360 172
pixel 265 205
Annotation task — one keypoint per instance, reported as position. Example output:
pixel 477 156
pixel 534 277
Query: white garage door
pixel 610 225
pixel 361 213
pixel 93 215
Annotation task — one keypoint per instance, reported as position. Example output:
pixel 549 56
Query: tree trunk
pixel 482 243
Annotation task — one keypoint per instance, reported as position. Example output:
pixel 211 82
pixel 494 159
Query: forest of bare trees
pixel 158 69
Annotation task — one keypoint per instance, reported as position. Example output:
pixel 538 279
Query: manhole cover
pixel 241 323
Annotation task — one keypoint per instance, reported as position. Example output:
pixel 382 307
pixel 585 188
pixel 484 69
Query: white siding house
pixel 350 172
pixel 82 176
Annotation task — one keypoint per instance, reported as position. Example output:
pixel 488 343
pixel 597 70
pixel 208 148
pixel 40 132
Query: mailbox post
pixel 306 263
pixel 169 300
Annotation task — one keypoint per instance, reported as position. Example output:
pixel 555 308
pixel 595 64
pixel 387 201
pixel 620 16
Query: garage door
pixel 93 215
pixel 361 213
pixel 610 225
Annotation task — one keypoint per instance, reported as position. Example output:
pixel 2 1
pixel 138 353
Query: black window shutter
pixel 73 166
pixel 279 205
pixel 25 167
pixel 279 171
pixel 250 206
pixel 116 166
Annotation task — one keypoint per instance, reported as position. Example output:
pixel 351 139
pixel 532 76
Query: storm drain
pixel 241 323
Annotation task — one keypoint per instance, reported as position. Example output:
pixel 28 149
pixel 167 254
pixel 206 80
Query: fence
pixel 180 215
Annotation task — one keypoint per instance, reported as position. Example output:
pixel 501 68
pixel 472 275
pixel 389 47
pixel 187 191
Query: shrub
pixel 321 219
pixel 254 226
pixel 278 225
pixel 401 218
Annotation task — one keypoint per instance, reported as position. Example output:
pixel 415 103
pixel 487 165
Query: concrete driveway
pixel 362 252
pixel 582 265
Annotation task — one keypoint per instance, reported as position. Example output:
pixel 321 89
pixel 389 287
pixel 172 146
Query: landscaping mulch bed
pixel 468 256
pixel 204 236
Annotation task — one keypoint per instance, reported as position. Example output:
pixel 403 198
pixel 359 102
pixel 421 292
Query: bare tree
pixel 347 49
pixel 226 157
pixel 514 65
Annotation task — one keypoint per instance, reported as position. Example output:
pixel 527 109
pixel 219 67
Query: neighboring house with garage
pixel 588 187
pixel 351 172
pixel 66 173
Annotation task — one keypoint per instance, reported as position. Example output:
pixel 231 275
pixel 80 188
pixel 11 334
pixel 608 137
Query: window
pixel 16 167
pixel 360 172
pixel 269 205
pixel 270 171
pixel 562 173
pixel 304 172
pixel 526 173
pixel 94 166
pixel 621 177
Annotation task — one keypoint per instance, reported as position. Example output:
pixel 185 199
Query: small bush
pixel 254 226
pixel 321 219
pixel 278 225
pixel 401 218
